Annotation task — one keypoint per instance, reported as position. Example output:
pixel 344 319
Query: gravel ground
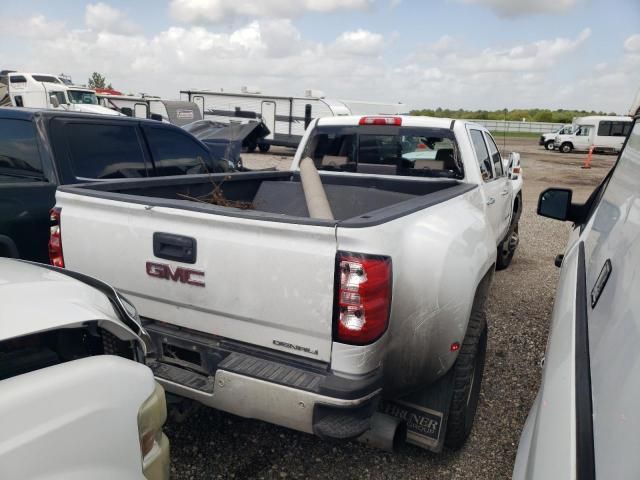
pixel 211 444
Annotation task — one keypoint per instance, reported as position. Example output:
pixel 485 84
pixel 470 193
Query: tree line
pixel 530 114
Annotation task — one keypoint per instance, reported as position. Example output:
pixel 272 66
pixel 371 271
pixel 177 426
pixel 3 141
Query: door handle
pixel 491 201
pixel 504 193
pixel 174 247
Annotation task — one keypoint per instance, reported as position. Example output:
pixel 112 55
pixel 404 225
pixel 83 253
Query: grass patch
pixel 515 134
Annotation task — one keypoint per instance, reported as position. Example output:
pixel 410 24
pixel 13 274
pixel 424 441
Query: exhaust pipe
pixel 386 432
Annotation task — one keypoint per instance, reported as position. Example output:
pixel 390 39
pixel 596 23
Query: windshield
pixel 405 151
pixel 82 96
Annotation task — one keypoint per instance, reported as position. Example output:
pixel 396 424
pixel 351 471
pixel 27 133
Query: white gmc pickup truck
pixel 366 324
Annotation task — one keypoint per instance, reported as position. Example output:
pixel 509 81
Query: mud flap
pixel 425 413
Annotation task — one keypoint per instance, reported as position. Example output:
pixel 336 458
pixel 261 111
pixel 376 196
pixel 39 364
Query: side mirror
pixel 156 116
pixel 54 101
pixel 126 111
pixel 555 203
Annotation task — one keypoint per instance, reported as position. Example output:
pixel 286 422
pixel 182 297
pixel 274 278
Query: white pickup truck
pixel 76 400
pixel 361 324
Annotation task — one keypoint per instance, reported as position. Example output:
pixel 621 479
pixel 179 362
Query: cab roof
pixel 407 121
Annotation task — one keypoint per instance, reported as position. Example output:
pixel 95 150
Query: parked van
pixel 604 133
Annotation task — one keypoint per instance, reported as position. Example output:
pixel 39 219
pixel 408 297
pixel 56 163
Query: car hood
pixel 33 299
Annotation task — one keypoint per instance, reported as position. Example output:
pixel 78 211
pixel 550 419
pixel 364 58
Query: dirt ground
pixel 212 444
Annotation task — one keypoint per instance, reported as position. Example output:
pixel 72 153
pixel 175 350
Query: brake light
pixel 55 238
pixel 381 121
pixel 363 298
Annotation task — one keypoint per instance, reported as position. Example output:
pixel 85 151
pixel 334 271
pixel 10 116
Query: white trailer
pixel 177 112
pixel 286 117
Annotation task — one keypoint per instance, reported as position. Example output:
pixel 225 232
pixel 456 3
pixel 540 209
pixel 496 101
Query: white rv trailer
pixel 137 104
pixel 604 133
pixel 178 112
pixel 43 90
pixel 286 117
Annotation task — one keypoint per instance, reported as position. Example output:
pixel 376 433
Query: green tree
pixel 98 81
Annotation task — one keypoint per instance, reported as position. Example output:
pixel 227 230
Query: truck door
pixel 268 112
pixel 495 186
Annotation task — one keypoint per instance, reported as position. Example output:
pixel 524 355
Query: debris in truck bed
pixel 216 197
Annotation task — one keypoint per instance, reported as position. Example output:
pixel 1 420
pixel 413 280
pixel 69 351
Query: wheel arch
pixel 8 247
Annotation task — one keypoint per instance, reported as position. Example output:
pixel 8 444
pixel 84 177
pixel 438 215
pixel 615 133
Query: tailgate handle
pixel 174 247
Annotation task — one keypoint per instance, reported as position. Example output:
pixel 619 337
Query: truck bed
pixel 278 196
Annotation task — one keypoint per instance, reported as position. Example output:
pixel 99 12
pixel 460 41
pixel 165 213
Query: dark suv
pixel 41 149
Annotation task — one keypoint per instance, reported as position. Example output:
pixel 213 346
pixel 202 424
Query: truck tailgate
pixel 265 283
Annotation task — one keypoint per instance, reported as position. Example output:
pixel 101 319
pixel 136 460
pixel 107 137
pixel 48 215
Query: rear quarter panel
pixel 439 255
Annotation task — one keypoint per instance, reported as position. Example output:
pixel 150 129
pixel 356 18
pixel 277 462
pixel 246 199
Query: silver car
pixel 585 420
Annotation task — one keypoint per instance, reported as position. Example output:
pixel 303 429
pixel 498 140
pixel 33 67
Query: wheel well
pixel 516 204
pixel 8 247
pixel 482 291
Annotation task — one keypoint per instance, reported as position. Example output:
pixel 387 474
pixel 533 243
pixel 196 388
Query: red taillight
pixel 381 121
pixel 363 299
pixel 55 239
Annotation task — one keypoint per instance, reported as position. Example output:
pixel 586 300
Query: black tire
pixel 507 249
pixel 264 147
pixel 251 147
pixel 566 147
pixel 467 379
pixel 549 145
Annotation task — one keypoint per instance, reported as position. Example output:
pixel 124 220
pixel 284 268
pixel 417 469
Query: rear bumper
pixel 265 385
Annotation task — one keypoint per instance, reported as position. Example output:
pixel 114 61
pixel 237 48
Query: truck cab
pixel 41 90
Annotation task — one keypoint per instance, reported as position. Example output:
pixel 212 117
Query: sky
pixel 471 54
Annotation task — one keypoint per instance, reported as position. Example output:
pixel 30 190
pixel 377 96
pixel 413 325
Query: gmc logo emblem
pixel 182 275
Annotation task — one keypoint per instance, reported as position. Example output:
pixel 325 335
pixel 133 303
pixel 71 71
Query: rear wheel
pixel 507 249
pixel 467 378
pixel 566 147
pixel 549 145
pixel 251 147
pixel 264 147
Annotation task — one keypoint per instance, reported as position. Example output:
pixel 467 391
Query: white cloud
pixel 515 8
pixel 632 44
pixel 273 54
pixel 216 11
pixel 359 42
pixel 36 27
pixel 101 17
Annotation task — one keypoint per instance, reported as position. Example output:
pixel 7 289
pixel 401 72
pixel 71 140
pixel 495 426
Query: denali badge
pixel 181 274
pixel 295 347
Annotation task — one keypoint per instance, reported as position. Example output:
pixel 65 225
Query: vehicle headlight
pixel 154 445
